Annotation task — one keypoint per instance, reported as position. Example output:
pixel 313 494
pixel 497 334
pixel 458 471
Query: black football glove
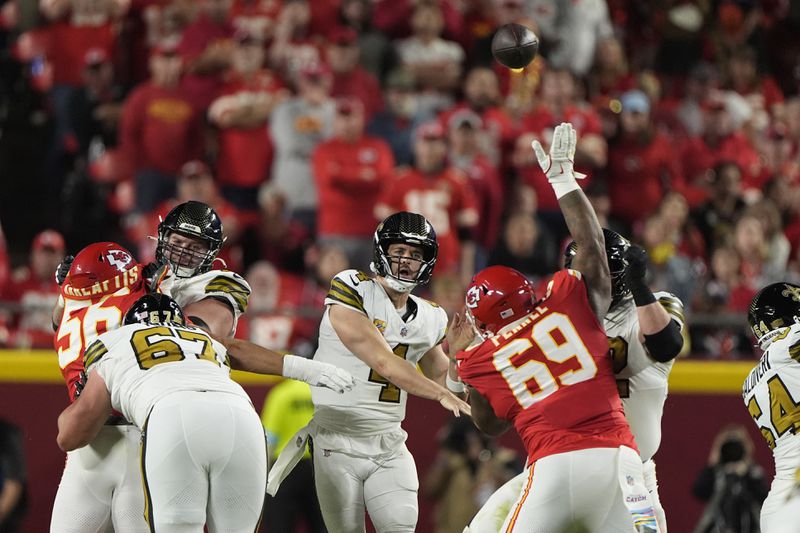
pixel 153 273
pixel 636 271
pixel 63 268
pixel 635 274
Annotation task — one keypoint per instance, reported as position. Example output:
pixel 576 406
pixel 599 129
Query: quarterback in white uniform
pixel 771 393
pixel 376 330
pixel 203 452
pixel 644 332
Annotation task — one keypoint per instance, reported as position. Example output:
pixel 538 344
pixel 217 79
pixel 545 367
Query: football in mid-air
pixel 514 45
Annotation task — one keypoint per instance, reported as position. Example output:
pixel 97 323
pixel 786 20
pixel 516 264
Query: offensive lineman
pixel 644 331
pixel 203 447
pixel 542 365
pixel 771 393
pixel 374 328
pixel 96 492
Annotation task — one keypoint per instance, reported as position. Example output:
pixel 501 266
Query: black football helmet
pixel 616 246
pixel 155 308
pixel 198 221
pixel 775 306
pixel 406 228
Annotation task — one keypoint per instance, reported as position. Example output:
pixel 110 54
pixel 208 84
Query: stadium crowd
pixel 304 122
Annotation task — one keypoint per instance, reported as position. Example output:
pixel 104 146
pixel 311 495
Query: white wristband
pixel 454 386
pixel 295 367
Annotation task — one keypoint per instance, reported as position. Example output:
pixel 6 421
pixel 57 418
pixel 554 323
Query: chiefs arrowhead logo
pixel 473 296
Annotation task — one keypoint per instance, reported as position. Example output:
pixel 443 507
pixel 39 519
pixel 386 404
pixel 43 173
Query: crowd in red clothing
pixel 304 122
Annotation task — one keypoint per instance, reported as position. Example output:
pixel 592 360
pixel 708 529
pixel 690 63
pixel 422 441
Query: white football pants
pixel 781 508
pixel 204 461
pixel 348 485
pixel 101 488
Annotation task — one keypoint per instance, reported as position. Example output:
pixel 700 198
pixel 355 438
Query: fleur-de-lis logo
pixel 791 292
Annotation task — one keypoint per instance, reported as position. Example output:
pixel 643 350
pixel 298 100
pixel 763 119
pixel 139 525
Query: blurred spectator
pixel 241 112
pixel 610 75
pixel 720 141
pixel 96 107
pixel 482 96
pixel 160 130
pixel 465 154
pixel 278 238
pixel 642 164
pixel 434 62
pixel 558 104
pixel 468 469
pixel 440 193
pixel 777 245
pixel 349 78
pixel 34 291
pixel 750 241
pixel 298 125
pixel 716 217
pixel 447 290
pixel 732 484
pixel 523 245
pixel 402 116
pixel 703 80
pixel 294 47
pixel 13 478
pixel 276 317
pixel 350 170
pixel 206 50
pixel 195 182
pixel 287 409
pixel 743 77
pixel 256 18
pixel 5 264
pixel 395 17
pixel 374 47
pixel 572 31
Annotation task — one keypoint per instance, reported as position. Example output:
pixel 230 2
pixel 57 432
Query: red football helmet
pixel 497 296
pixel 99 262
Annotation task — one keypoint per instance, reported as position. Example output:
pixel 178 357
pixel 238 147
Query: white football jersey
pixel 641 380
pixel 772 395
pixel 374 404
pixel 223 284
pixel 142 363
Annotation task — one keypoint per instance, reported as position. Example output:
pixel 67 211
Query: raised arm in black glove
pixel 63 268
pixel 635 273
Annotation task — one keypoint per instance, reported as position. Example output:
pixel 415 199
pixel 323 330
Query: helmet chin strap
pixel 394 283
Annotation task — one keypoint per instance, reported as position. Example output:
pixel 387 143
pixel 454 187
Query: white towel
pixel 287 460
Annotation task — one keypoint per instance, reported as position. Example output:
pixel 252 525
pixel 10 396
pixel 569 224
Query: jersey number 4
pixel 389 392
pixel 559 342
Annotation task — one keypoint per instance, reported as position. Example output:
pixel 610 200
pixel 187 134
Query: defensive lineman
pixel 644 331
pixel 771 393
pixel 379 332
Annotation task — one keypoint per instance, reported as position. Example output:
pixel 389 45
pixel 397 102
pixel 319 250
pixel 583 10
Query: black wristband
pixel 642 295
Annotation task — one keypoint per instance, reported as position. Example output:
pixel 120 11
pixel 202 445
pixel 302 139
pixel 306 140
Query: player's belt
pixel 117 420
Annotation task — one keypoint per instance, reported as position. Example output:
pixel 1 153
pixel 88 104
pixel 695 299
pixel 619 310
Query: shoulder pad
pixel 230 285
pixel 93 354
pixel 345 289
pixel 673 306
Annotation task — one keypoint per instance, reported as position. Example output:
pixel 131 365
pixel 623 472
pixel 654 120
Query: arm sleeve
pixel 666 344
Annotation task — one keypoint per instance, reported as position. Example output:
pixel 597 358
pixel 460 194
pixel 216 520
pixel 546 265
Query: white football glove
pixel 559 165
pixel 317 373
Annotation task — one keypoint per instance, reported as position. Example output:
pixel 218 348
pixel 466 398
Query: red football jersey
pixel 88 313
pixel 550 374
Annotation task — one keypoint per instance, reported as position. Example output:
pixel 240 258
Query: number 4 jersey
pixel 772 395
pixel 374 404
pixel 550 374
pixel 142 363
